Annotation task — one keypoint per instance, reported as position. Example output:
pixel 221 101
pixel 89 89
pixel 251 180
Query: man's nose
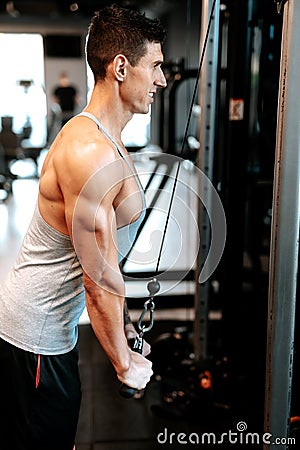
pixel 162 82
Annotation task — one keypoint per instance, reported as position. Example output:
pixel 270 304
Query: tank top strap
pixel 104 131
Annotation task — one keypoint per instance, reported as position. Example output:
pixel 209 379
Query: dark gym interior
pixel 213 352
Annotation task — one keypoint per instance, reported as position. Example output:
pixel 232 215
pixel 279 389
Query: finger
pixel 146 349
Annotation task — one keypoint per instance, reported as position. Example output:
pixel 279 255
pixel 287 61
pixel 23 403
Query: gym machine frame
pixel 207 100
pixel 285 236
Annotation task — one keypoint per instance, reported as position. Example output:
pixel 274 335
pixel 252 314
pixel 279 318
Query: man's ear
pixel 120 67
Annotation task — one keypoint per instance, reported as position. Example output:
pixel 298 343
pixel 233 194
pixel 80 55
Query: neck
pixel 108 109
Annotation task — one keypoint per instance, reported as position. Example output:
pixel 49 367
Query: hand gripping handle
pixel 137 345
pixel 127 391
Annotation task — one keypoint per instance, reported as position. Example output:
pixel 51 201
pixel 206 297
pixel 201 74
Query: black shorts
pixel 39 399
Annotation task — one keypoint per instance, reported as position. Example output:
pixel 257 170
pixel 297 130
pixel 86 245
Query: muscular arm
pixel 91 220
pixel 104 289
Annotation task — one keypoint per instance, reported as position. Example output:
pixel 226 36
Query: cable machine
pixel 237 142
pixel 236 127
pixel 241 152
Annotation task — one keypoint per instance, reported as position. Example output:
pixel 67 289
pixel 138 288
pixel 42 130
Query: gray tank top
pixel 43 296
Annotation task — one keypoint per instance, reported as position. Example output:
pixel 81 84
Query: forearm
pixel 106 312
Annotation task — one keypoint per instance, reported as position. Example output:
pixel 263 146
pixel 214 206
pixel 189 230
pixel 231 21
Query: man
pixel 65 102
pixel 65 95
pixel 89 207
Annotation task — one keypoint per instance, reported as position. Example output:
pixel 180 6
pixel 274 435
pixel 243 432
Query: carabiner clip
pixel 148 306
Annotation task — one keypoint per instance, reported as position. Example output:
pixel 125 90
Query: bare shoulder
pixel 84 154
pixel 81 164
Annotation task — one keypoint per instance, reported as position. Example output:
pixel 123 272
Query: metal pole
pixel 207 100
pixel 284 238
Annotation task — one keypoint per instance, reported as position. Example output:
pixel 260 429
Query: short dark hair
pixel 115 30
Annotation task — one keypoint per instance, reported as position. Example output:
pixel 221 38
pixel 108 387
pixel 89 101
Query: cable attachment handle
pixel 137 345
pixel 128 391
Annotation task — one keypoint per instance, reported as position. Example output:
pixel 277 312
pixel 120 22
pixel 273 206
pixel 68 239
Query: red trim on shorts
pixel 38 371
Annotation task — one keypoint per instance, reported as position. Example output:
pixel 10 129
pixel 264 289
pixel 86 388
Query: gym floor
pixel 173 403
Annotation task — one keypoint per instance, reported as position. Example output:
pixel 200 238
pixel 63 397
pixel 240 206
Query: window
pixel 22 90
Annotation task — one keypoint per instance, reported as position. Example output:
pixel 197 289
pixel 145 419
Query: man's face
pixel 144 79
